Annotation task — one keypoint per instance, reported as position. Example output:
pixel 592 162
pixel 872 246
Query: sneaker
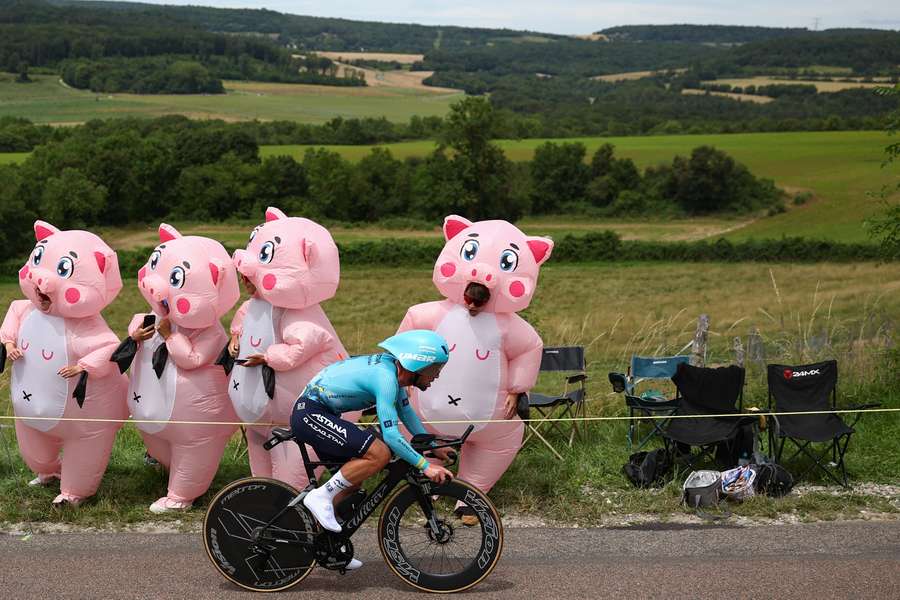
pixel 44 479
pixel 166 504
pixel 466 515
pixel 151 462
pixel 323 510
pixel 67 500
pixel 353 565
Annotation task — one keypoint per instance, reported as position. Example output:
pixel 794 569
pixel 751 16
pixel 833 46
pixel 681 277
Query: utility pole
pixel 816 23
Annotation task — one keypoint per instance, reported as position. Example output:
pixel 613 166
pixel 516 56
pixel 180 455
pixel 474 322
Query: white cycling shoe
pixel 353 564
pixel 323 510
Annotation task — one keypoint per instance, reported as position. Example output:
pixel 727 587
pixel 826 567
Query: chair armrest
pixel 619 382
pixel 576 378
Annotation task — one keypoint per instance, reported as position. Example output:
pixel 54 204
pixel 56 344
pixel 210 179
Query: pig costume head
pixel 495 254
pixel 190 279
pixel 70 274
pixel 292 261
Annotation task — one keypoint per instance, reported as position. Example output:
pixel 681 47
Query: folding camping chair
pixel 707 391
pixel 810 388
pixel 569 403
pixel 649 403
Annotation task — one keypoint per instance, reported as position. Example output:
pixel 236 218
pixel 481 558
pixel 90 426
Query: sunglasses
pixel 477 303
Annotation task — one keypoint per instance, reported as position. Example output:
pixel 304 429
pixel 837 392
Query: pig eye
pixel 253 234
pixel 65 267
pixel 154 259
pixel 177 277
pixel 509 260
pixel 469 250
pixel 267 253
pixel 37 256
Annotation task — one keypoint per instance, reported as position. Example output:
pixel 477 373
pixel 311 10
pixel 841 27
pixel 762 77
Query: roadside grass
pixel 46 100
pixel 803 312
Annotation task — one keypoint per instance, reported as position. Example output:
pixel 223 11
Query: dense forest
pixel 319 33
pixel 108 44
pixel 698 34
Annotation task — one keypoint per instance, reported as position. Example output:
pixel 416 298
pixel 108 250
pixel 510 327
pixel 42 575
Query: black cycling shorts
pixel 334 439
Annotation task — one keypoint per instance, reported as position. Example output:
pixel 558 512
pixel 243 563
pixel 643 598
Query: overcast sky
pixel 584 16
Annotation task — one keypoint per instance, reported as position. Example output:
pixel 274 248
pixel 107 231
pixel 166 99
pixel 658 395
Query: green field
pixel 841 311
pixel 842 169
pixel 46 100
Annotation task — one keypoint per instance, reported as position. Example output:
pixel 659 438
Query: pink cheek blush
pixel 72 295
pixel 141 274
pixel 447 269
pixel 23 272
pixel 268 281
pixel 517 289
pixel 183 305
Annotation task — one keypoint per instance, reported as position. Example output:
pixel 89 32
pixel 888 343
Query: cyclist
pixel 413 357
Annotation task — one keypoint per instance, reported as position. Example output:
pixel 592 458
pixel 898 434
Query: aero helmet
pixel 417 349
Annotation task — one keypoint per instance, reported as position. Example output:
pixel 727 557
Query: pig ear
pixel 453 225
pixel 307 249
pixel 43 230
pixel 167 233
pixel 216 270
pixel 101 261
pixel 274 214
pixel 540 248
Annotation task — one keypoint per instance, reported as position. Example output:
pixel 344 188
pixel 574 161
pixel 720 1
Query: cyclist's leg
pixel 342 442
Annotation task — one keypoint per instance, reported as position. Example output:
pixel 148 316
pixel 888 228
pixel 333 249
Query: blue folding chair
pixel 649 403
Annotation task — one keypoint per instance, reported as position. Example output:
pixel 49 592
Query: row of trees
pixel 110 173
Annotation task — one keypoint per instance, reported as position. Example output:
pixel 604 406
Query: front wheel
pixel 262 560
pixel 456 557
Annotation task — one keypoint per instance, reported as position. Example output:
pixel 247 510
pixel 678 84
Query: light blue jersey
pixel 362 382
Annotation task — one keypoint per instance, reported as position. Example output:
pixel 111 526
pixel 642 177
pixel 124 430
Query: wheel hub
pixel 444 533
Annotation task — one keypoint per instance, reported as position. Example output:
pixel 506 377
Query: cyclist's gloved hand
pixel 437 473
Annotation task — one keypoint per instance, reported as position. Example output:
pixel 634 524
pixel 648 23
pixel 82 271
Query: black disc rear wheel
pixel 248 556
pixel 454 558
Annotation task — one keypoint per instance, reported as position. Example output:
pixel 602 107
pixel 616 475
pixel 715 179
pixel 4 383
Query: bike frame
pixel 397 472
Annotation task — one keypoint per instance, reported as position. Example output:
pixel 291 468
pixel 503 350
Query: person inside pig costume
pixel 189 283
pixel 60 347
pixel 487 272
pixel 281 336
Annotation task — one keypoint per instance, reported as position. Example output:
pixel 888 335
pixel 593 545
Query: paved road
pixel 822 560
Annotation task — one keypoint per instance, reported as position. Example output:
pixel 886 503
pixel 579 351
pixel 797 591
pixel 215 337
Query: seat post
pixel 310 472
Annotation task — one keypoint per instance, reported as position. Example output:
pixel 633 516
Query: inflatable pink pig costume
pixel 294 265
pixel 69 278
pixel 492 354
pixel 192 282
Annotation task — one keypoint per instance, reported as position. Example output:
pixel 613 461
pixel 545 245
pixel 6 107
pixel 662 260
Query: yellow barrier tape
pixel 473 421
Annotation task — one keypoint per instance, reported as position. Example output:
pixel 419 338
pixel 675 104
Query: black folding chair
pixel 810 388
pixel 707 392
pixel 569 403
